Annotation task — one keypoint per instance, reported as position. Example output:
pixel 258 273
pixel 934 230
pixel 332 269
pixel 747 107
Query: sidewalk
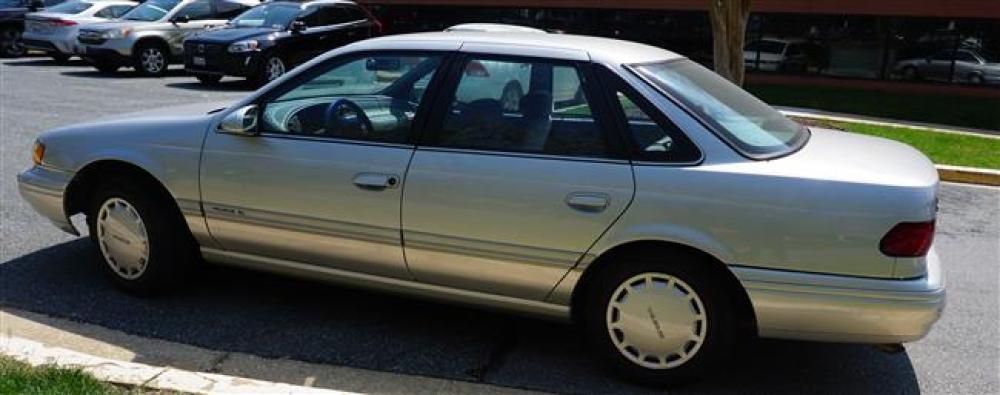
pixel 131 360
pixel 931 127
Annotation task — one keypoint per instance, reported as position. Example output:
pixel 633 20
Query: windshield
pixel 70 7
pixel 275 16
pixel 151 10
pixel 748 124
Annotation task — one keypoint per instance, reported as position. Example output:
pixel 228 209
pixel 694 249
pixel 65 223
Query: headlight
pixel 243 46
pixel 38 152
pixel 116 33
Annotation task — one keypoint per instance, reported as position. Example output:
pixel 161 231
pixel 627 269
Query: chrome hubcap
pixel 153 60
pixel 275 68
pixel 122 238
pixel 656 320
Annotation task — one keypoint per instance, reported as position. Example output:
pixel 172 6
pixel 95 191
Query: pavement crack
pixel 497 356
pixel 144 384
pixel 216 364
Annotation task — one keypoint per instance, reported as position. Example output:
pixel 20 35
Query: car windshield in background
pixel 151 10
pixel 70 7
pixel 748 124
pixel 12 3
pixel 274 16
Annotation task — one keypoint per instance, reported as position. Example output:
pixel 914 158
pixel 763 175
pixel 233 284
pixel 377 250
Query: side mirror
pixel 242 122
pixel 180 19
pixel 297 26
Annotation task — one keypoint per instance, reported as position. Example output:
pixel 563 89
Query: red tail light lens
pixel 908 239
pixel 61 22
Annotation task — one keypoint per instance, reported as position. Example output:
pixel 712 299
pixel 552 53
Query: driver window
pixel 372 98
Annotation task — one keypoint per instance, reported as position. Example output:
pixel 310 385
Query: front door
pixel 322 182
pixel 506 194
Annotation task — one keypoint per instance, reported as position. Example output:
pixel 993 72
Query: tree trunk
pixel 729 25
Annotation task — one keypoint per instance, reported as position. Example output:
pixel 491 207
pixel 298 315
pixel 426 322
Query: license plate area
pixel 198 60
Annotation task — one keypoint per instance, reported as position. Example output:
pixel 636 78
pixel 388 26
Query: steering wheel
pixel 346 118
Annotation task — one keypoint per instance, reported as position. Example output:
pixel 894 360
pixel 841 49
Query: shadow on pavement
pixel 44 61
pixel 239 311
pixel 123 72
pixel 231 85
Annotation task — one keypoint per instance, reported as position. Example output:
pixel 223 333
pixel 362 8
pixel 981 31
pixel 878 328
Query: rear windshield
pixel 274 16
pixel 70 7
pixel 151 10
pixel 746 123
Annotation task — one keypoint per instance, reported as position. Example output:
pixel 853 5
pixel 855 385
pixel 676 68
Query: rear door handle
pixel 375 181
pixel 588 201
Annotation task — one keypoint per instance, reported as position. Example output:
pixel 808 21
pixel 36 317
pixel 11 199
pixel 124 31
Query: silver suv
pixel 151 36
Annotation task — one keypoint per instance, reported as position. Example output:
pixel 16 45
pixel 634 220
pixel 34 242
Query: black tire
pixel 10 43
pixel 720 332
pixel 208 79
pixel 151 68
pixel 263 76
pixel 59 57
pixel 104 67
pixel 172 250
pixel 975 79
pixel 910 73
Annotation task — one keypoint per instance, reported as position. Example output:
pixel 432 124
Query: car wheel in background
pixel 910 73
pixel 151 58
pixel 10 43
pixel 660 321
pixel 510 99
pixel 143 245
pixel 271 69
pixel 59 57
pixel 975 79
pixel 208 79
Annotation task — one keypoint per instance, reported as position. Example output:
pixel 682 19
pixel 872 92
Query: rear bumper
pixel 43 188
pixel 804 306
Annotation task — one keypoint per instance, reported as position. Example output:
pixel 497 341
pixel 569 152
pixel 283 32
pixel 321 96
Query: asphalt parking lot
pixel 46 271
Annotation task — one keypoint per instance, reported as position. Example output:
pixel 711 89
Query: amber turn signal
pixel 38 153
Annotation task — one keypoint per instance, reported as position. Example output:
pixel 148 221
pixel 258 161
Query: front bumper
pixel 221 62
pixel 818 307
pixel 44 188
pixel 114 50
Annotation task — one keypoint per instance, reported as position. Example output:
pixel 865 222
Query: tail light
pixel 908 239
pixel 61 22
pixel 476 69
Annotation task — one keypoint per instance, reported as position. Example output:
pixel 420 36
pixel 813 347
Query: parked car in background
pixel 492 27
pixel 150 36
pixel 970 66
pixel 266 41
pixel 667 211
pixel 54 30
pixel 12 14
pixel 792 55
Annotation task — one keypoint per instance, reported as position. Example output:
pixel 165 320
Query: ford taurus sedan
pixel 667 212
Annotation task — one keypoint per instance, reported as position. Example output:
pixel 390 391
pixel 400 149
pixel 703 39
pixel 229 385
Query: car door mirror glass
pixel 241 122
pixel 297 26
pixel 180 19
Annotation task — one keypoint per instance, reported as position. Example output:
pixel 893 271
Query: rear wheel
pixel 975 79
pixel 660 321
pixel 151 58
pixel 208 79
pixel 143 246
pixel 10 43
pixel 910 73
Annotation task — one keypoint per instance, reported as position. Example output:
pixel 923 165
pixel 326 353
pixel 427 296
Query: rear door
pixel 506 201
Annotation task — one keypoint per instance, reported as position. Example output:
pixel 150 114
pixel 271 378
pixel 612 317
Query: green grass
pixel 942 148
pixel 22 379
pixel 967 111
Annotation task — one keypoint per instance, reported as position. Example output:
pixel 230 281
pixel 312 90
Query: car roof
pixel 558 46
pixel 312 2
pixel 492 27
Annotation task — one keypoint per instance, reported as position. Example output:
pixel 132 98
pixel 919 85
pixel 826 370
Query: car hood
pixel 231 34
pixel 834 155
pixel 194 110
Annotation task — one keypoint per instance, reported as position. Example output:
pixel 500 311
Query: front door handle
pixel 588 201
pixel 376 181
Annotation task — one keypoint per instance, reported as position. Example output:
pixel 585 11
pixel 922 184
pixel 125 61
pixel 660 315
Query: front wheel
pixel 151 59
pixel 660 322
pixel 274 66
pixel 142 245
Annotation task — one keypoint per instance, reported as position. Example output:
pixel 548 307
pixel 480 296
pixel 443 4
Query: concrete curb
pixel 146 376
pixel 969 175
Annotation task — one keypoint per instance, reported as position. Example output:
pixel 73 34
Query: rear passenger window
pixel 655 138
pixel 531 107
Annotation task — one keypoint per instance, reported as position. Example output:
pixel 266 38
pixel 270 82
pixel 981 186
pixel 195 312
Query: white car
pixel 54 30
pixel 772 54
pixel 492 28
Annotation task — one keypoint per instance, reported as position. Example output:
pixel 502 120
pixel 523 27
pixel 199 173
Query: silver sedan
pixel 666 211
